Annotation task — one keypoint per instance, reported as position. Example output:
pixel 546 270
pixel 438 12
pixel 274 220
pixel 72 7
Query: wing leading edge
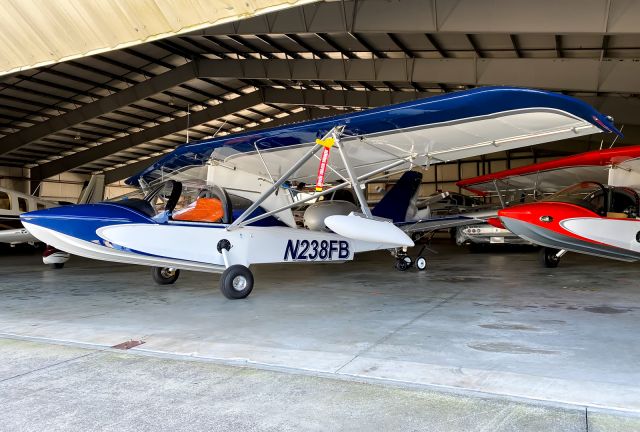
pixel 431 130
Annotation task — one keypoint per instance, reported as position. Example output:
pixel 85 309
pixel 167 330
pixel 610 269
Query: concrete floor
pixel 495 323
pixel 64 388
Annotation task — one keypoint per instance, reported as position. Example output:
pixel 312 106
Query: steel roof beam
pixel 102 106
pixel 620 76
pixel 436 45
pixel 340 98
pixel 196 118
pixel 516 45
pixel 123 172
pixel 474 45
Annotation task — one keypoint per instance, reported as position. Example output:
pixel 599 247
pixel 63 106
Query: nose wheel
pixel 550 257
pixel 236 282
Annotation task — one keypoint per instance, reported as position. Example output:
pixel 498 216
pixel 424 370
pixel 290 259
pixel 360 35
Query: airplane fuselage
pixel 570 227
pixel 113 232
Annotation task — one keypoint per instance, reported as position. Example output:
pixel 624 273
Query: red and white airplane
pixel 598 215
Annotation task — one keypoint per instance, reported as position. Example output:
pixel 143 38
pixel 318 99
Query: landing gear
pixel 236 282
pixel 550 257
pixel 54 257
pixel 164 275
pixel 404 261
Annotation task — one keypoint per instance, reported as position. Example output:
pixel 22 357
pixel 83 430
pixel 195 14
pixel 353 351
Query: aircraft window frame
pixel 631 212
pixel 23 204
pixel 572 195
pixel 5 198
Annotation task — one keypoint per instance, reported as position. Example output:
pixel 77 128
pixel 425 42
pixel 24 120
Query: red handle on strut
pixel 324 160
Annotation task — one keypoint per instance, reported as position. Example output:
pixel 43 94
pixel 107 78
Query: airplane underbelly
pixel 621 233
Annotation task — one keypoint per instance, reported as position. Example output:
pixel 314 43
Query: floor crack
pixel 46 367
pixel 393 332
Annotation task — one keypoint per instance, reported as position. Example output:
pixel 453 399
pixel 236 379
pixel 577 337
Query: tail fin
pixel 93 192
pixel 395 203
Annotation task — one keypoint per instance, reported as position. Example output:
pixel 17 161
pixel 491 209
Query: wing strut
pixel 278 183
pixel 353 179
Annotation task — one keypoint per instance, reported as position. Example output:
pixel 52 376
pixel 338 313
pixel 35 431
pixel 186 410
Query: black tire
pixel 164 275
pixel 548 257
pixel 236 282
pixel 402 264
pixel 421 263
pixel 57 265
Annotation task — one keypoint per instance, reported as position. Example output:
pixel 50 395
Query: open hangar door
pixel 489 323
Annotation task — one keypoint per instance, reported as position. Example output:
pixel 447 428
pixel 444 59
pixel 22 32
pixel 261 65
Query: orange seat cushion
pixel 201 210
pixel 615 215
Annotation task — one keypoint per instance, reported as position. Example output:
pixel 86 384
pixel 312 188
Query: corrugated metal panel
pixel 40 32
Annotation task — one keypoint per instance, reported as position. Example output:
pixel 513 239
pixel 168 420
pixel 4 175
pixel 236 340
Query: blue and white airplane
pixel 224 204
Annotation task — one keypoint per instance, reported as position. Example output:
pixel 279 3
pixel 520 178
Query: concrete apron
pixel 490 323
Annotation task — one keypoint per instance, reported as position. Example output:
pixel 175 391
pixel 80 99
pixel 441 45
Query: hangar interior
pixel 494 323
pixel 118 111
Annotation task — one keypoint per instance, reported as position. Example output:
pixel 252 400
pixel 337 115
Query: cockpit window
pixel 5 201
pixel 589 195
pixel 624 202
pixel 22 204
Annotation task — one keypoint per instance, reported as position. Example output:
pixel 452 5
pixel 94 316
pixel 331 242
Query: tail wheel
pixel 164 275
pixel 236 282
pixel 421 263
pixel 549 257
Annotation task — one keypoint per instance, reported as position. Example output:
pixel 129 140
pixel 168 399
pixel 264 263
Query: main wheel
pixel 236 282
pixel 164 275
pixel 57 265
pixel 549 258
pixel 403 263
pixel 421 263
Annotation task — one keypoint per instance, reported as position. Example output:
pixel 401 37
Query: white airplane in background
pixel 204 225
pixel 14 203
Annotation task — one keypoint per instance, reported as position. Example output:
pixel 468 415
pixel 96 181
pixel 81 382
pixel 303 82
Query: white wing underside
pixel 624 174
pixel 421 145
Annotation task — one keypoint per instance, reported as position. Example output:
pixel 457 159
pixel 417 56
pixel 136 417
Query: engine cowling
pixel 316 213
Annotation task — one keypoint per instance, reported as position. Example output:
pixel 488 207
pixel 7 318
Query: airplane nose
pixel 519 212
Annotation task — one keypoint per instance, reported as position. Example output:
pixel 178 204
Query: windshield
pixel 590 195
